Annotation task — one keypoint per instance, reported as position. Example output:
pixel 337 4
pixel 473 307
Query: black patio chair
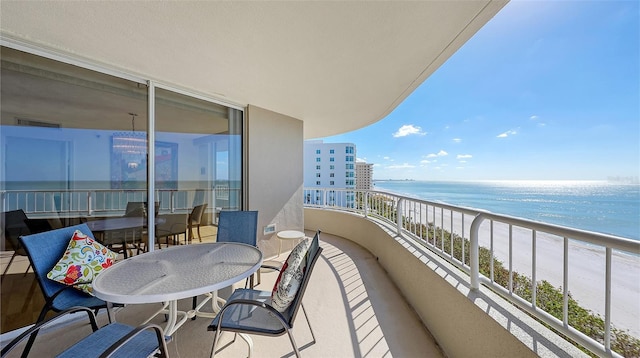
pixel 115 339
pixel 251 312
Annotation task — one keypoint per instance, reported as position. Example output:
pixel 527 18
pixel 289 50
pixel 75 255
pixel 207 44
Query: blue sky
pixel 546 90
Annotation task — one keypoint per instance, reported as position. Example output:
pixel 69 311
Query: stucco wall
pixel 275 173
pixel 465 323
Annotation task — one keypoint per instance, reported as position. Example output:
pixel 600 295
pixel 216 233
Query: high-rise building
pixel 364 176
pixel 331 168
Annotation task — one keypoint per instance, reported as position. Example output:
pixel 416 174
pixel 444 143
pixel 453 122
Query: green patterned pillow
pixel 83 260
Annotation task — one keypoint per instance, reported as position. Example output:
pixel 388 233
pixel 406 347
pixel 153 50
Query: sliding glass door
pixel 74 149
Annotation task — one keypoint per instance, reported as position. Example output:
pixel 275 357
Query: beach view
pixel 610 208
pixel 537 117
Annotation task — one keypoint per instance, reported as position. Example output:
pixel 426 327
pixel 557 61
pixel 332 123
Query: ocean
pixel 599 206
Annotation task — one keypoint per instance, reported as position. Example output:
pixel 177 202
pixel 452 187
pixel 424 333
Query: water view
pixel 599 206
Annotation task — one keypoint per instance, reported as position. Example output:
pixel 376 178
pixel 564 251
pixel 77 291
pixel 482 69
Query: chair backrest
pixel 139 208
pixel 13 226
pixel 135 208
pixel 196 214
pixel 313 253
pixel 238 226
pixel 171 224
pixel 45 249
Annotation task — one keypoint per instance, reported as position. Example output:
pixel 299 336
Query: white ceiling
pixel 338 66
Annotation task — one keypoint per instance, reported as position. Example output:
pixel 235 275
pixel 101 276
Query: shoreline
pixel 586 262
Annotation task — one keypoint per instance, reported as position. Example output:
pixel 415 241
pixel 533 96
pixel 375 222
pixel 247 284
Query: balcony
pixel 373 293
pixel 354 308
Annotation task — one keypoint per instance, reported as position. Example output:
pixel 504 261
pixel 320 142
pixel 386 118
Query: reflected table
pixel 132 225
pixel 175 273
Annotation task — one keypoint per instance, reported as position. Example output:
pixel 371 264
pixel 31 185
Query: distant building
pixel 331 168
pixel 364 176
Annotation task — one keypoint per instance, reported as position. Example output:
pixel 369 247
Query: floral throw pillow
pixel 83 260
pixel 288 282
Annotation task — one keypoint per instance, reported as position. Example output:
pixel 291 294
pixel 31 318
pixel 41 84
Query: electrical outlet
pixel 269 229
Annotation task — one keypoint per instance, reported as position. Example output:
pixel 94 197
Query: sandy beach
pixel 586 279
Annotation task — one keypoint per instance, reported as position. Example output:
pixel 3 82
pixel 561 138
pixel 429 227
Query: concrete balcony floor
pixel 354 308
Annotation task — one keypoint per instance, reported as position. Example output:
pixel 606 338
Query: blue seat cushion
pixel 71 297
pixel 142 345
pixel 248 318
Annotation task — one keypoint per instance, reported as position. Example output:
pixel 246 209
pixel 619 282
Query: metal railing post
pixel 474 255
pixel 365 204
pixel 172 201
pixel 399 215
pixel 607 300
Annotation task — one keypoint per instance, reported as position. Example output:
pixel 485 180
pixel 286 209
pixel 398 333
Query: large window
pixel 74 144
pixel 198 152
pixel 68 129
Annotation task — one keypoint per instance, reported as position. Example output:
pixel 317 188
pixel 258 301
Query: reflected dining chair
pixel 15 223
pixel 233 226
pixel 170 228
pixel 195 220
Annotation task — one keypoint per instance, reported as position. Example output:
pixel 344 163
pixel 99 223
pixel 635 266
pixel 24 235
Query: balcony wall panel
pixel 465 323
pixel 275 174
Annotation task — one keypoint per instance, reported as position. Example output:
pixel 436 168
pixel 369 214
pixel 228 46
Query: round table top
pixel 177 272
pixel 291 235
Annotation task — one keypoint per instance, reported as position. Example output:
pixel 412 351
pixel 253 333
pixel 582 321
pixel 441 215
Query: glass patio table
pixel 174 273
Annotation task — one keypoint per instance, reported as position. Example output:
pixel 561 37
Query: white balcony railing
pixel 438 226
pixel 106 202
pixel 455 233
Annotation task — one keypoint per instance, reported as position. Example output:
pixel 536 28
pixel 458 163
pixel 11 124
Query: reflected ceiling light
pixel 131 145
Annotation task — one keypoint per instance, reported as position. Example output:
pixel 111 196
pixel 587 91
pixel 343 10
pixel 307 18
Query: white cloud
pixel 460 168
pixel 457 140
pixel 401 166
pixel 462 161
pixel 533 118
pixel 377 165
pixel 507 133
pixel 408 129
pixel 441 153
pixel 464 156
pixel 362 160
pixel 425 161
pixel 386 158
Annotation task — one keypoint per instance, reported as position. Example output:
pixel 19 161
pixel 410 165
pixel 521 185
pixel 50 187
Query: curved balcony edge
pixel 465 322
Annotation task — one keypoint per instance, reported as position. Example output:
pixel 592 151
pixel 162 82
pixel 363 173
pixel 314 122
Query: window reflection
pixel 73 148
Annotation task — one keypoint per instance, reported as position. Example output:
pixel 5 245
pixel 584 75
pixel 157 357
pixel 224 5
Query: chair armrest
pixel 36 328
pixel 162 344
pixel 271 267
